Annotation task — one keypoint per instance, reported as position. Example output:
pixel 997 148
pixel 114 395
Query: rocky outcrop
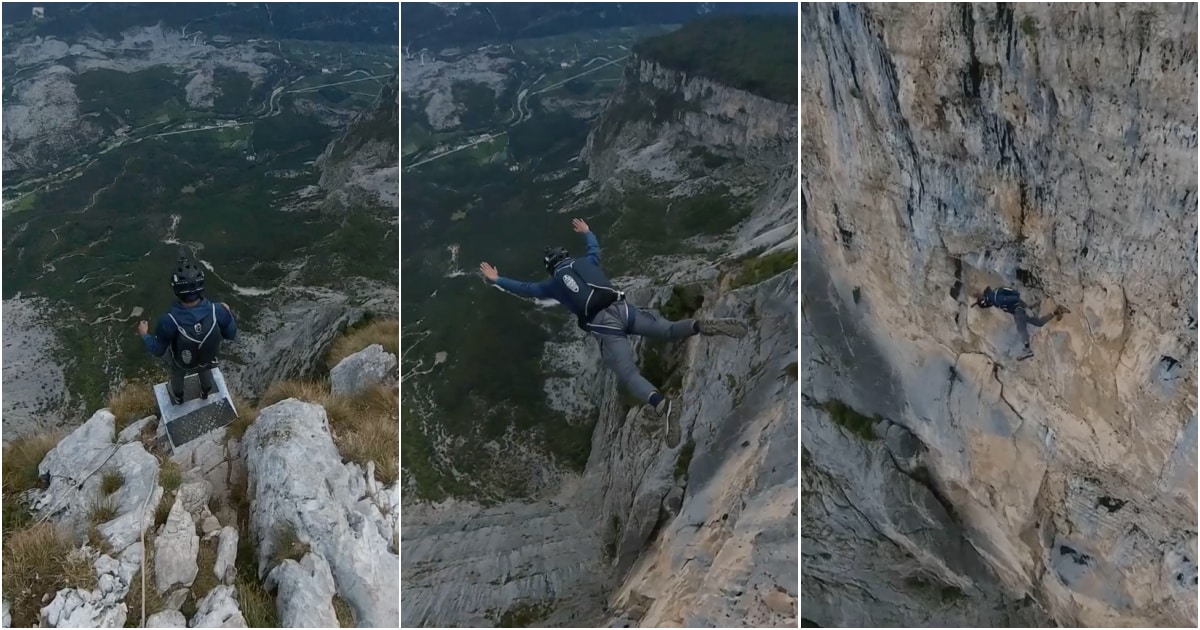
pixel 305 592
pixel 658 115
pixel 219 609
pixel 103 606
pixel 362 369
pixel 175 550
pixel 290 339
pixel 362 165
pixel 321 502
pixel 74 471
pixel 1043 147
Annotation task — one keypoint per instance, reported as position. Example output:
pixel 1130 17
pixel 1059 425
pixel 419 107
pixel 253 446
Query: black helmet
pixel 188 280
pixel 986 299
pixel 552 256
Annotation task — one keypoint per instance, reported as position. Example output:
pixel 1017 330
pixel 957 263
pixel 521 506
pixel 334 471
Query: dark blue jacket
pixel 548 288
pixel 165 331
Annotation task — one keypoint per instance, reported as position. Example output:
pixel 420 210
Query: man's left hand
pixel 143 327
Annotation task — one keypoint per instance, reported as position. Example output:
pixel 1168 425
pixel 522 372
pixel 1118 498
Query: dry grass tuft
pixel 170 476
pixel 111 481
pixel 102 511
pixel 163 511
pixel 38 561
pixel 385 332
pixel 366 425
pixel 133 401
pixel 288 545
pixel 258 606
pixel 345 615
pixel 247 413
pixel 19 463
pixel 308 391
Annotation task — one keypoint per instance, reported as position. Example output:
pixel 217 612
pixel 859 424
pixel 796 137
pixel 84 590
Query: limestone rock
pixel 194 495
pixel 954 147
pixel 362 369
pixel 219 609
pixel 166 619
pixel 305 593
pixel 132 432
pixel 77 608
pixel 297 479
pixel 225 567
pixel 84 450
pixel 175 550
pixel 7 623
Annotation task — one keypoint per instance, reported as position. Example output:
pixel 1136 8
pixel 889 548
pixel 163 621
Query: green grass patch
pixel 25 202
pixel 1029 26
pixel 522 615
pixel 170 476
pixel 685 459
pixel 846 416
pixel 755 269
pixel 111 481
pixel 137 97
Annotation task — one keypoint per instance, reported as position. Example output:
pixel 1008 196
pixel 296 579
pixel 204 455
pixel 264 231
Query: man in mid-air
pixel 1009 300
pixel 580 285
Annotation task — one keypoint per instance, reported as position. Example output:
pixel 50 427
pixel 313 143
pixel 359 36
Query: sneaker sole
pixel 727 329
pixel 672 419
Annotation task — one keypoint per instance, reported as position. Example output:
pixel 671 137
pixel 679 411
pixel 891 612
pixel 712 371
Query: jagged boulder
pixel 166 619
pixel 304 594
pixel 103 606
pixel 219 609
pixel 298 481
pixel 175 549
pixel 75 468
pixel 225 567
pixel 84 450
pixel 77 608
pixel 362 369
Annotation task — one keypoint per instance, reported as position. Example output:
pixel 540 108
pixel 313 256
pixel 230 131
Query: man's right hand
pixel 143 327
pixel 580 226
pixel 488 272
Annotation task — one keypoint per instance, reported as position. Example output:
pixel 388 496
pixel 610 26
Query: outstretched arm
pixel 516 287
pixel 593 245
pixel 157 343
pixel 226 322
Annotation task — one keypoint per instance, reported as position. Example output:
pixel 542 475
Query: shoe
pixel 666 410
pixel 204 393
pixel 1026 354
pixel 176 399
pixel 726 327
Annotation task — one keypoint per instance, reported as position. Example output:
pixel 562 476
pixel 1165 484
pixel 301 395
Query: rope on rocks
pixel 145 549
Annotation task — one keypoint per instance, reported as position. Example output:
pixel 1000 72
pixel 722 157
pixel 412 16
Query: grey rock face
pixel 1042 147
pixel 175 549
pixel 225 566
pixel 219 609
pixel 361 370
pixel 305 593
pixel 166 619
pixel 297 479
